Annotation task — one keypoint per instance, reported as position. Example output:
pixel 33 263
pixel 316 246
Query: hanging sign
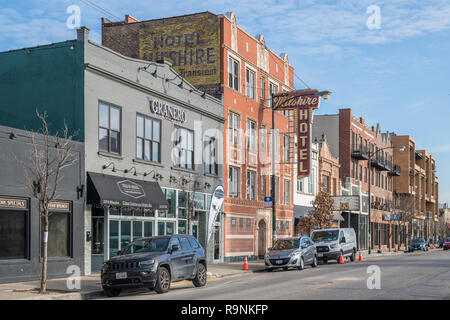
pixel 303 102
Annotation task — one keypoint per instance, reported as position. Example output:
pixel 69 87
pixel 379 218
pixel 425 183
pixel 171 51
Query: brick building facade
pixel 417 188
pixel 217 56
pixel 353 141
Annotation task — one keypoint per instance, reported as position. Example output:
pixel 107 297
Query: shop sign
pixel 12 203
pixel 166 110
pixel 386 217
pixel 131 189
pixel 346 203
pixel 303 102
pixel 59 205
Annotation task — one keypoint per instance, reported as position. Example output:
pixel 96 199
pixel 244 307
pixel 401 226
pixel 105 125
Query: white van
pixel 330 243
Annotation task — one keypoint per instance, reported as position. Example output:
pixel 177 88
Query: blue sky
pixel 397 75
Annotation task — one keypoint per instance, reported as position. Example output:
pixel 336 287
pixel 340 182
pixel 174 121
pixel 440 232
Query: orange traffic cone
pixel 360 257
pixel 245 264
pixel 341 259
pixel 431 246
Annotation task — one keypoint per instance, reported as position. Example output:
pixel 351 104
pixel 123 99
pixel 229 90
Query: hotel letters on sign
pixel 303 102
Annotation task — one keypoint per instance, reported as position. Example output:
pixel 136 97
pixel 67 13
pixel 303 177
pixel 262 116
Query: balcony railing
pixel 396 171
pixel 360 153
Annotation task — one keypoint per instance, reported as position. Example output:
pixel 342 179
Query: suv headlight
pixel 147 263
pixel 293 254
pixel 334 246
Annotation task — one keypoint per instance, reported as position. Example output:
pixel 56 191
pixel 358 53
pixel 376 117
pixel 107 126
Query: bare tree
pixel 405 205
pixel 48 157
pixel 189 187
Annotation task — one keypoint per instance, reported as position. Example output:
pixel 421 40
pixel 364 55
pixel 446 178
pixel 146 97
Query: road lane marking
pixel 321 286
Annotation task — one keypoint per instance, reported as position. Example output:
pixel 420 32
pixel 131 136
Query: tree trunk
pixel 44 257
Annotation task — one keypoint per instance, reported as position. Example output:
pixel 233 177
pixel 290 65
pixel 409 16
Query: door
pixel 262 243
pixel 176 260
pixel 188 257
pixel 311 248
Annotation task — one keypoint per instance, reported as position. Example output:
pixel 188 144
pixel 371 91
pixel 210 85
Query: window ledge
pixel 14 261
pixel 216 176
pixel 148 162
pixel 183 169
pixel 110 155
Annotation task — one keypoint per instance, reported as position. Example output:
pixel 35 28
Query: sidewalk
pixel 91 285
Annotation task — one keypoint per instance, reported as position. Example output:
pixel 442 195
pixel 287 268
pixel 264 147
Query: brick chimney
pixel 83 34
pixel 361 120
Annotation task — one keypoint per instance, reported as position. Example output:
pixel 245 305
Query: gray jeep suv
pixel 154 263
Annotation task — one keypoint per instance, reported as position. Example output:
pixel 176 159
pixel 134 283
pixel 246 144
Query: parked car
pixel 442 241
pixel 333 242
pixel 292 252
pixel 418 244
pixel 446 244
pixel 154 263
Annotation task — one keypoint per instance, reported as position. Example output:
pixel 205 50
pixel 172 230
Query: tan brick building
pixel 417 189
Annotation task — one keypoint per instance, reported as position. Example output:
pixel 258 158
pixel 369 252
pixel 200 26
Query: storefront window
pixel 114 211
pixel 137 230
pixel 166 228
pixel 13 235
pixel 181 213
pixel 195 231
pixel 127 212
pixel 199 201
pixel 162 213
pixel 148 228
pixel 58 234
pixel 125 233
pixel 171 198
pixel 149 213
pixel 113 237
pixel 182 226
pixel 138 213
pixel 208 201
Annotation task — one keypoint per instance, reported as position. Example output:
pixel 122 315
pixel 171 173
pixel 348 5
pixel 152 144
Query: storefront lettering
pixel 166 110
pixel 13 203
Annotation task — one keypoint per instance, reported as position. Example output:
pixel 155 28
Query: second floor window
pixel 109 128
pixel 234 126
pixel 251 135
pixel 210 155
pixel 184 148
pixel 250 83
pixel 148 139
pixel 287 148
pixel 251 185
pixel 233 74
pixel 233 181
pixel 273 88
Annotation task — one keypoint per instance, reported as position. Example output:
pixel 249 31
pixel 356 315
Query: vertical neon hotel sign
pixel 303 102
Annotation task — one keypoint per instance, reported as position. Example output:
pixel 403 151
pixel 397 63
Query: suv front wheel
pixel 200 276
pixel 163 280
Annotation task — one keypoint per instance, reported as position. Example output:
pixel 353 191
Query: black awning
pixel 110 190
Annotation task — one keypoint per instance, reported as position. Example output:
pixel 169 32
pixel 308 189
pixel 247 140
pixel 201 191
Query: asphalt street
pixel 418 275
